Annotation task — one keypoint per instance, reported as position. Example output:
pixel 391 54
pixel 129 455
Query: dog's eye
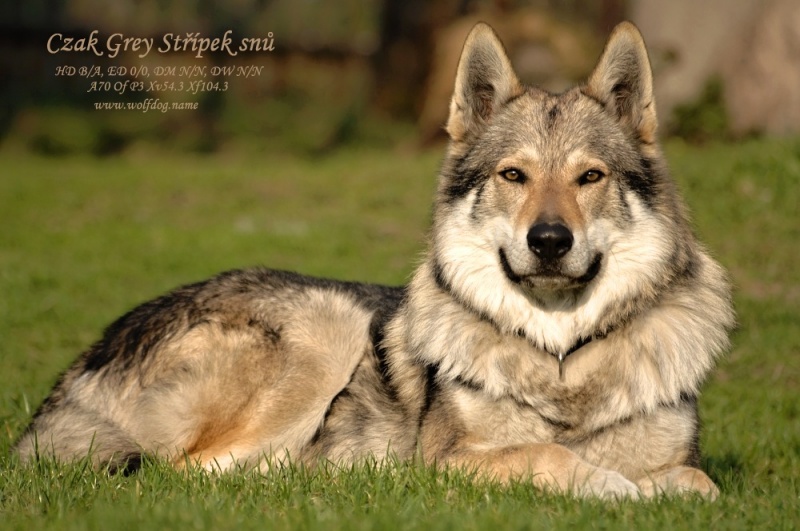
pixel 591 176
pixel 513 175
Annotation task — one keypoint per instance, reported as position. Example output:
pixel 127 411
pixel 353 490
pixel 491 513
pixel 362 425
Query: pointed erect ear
pixel 484 81
pixel 623 81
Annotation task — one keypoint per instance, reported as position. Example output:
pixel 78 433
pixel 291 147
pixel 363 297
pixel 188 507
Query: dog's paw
pixel 679 481
pixel 608 484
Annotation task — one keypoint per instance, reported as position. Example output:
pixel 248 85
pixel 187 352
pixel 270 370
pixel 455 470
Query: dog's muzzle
pixel 547 267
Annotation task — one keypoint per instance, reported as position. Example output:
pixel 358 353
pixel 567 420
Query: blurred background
pixel 381 71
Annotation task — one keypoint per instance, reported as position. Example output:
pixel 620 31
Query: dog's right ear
pixel 623 81
pixel 484 81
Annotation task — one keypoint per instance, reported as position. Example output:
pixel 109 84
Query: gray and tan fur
pixel 557 233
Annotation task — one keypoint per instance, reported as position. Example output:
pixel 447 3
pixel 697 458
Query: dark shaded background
pixel 346 71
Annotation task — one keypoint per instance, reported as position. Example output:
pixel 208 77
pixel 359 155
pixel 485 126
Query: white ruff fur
pixel 633 259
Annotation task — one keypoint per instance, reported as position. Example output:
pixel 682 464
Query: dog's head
pixel 546 183
pixel 555 213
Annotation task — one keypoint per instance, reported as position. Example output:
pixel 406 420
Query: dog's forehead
pixel 555 126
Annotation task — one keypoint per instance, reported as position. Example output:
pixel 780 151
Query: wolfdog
pixel 558 330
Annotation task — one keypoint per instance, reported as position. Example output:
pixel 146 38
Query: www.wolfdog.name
pixel 558 331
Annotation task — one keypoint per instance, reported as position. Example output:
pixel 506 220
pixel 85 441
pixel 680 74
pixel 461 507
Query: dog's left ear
pixel 485 80
pixel 623 81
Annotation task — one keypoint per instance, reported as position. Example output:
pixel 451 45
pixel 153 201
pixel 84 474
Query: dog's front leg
pixel 682 480
pixel 549 466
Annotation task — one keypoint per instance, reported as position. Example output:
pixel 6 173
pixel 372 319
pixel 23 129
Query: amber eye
pixel 513 175
pixel 591 176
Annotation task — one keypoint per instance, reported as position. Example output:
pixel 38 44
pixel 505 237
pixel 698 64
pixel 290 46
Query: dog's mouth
pixel 549 277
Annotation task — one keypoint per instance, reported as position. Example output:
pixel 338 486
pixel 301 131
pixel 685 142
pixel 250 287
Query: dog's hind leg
pixel 236 399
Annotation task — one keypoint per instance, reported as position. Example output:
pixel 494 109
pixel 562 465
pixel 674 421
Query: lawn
pixel 82 240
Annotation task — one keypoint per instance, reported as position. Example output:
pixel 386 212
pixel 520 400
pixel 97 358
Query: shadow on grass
pixel 726 470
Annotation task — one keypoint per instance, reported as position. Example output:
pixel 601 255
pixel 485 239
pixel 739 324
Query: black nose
pixel 549 241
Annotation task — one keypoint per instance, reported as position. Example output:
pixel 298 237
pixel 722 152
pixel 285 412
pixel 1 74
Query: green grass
pixel 82 240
